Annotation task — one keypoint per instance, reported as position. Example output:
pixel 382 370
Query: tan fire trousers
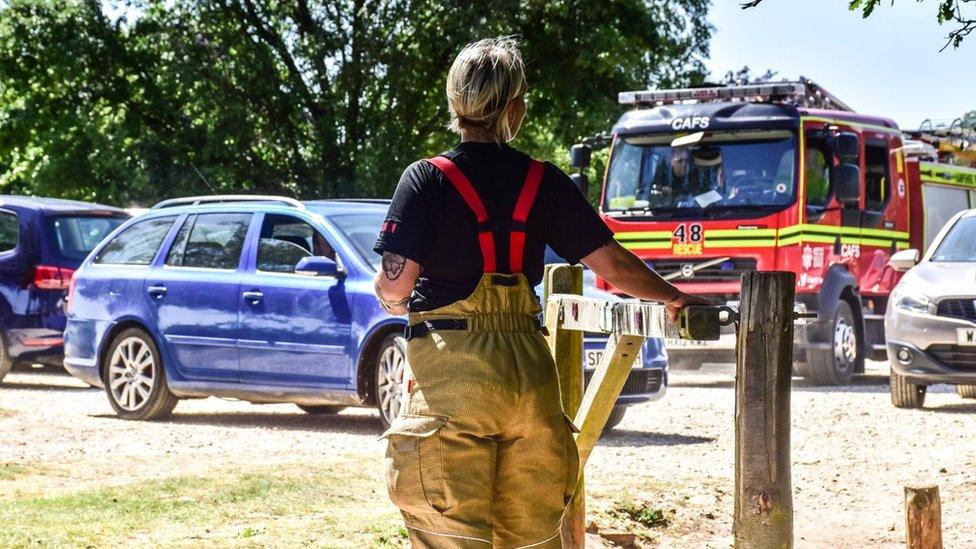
pixel 483 455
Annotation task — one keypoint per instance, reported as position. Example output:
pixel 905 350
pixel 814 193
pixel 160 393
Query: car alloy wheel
pixel 131 373
pixel 390 371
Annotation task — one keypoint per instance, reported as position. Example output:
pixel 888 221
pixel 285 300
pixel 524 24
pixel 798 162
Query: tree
pixel 948 11
pixel 744 76
pixel 313 98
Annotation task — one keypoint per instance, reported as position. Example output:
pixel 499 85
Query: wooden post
pixel 764 362
pixel 567 348
pixel 923 517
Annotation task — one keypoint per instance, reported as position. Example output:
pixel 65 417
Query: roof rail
pixel 802 93
pixel 219 198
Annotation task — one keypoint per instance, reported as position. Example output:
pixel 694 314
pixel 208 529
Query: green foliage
pixel 134 101
pixel 948 11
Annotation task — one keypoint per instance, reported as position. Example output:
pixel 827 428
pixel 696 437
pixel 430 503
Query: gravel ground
pixel 852 452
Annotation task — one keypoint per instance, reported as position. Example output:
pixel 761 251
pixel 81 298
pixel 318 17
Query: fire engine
pixel 707 183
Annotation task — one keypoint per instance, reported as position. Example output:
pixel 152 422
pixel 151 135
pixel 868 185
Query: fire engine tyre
pixel 837 365
pixel 6 363
pixel 683 363
pixel 320 410
pixel 134 378
pixel 616 416
pixel 905 394
pixel 966 391
pixel 391 367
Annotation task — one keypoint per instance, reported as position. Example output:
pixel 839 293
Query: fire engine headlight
pixel 910 299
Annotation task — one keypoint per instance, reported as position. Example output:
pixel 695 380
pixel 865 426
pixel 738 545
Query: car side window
pixel 9 231
pixel 211 241
pixel 285 240
pixel 138 244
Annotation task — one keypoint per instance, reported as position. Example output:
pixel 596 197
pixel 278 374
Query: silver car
pixel 930 323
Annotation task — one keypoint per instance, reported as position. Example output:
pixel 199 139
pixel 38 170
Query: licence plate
pixel 593 357
pixel 671 343
pixel 966 336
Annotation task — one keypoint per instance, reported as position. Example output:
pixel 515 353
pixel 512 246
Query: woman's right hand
pixel 683 300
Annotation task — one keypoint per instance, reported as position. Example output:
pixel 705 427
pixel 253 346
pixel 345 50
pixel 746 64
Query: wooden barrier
pixel 764 356
pixel 764 362
pixel 923 517
pixel 567 349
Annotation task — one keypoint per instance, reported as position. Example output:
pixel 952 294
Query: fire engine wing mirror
pixel 847 184
pixel 579 156
pixel 904 260
pixel 582 182
pixel 846 146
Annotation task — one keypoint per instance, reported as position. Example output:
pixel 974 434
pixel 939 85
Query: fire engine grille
pixel 638 382
pixel 957 357
pixel 727 271
pixel 958 308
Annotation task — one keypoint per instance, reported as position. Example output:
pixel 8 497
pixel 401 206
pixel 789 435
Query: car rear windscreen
pixel 77 235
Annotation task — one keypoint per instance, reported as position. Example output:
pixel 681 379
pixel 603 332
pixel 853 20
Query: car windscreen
pixel 716 174
pixel 74 236
pixel 361 230
pixel 959 244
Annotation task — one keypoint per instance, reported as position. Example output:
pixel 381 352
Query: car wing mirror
pixel 904 260
pixel 318 265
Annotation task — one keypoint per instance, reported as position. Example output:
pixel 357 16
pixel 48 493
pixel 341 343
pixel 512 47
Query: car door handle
pixel 157 291
pixel 253 297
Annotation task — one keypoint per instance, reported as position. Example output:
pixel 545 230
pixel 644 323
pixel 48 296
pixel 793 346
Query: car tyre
pixel 134 378
pixel 905 394
pixel 966 391
pixel 836 366
pixel 6 363
pixel 616 416
pixel 391 372
pixel 320 410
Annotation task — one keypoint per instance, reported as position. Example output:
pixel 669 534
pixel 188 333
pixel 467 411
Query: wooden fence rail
pixel 764 510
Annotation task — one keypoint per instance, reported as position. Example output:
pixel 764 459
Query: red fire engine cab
pixel 707 183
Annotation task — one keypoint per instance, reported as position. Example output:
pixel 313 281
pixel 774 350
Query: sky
pixel 887 65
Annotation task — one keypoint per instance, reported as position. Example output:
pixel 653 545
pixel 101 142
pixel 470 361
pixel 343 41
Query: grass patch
pixel 288 505
pixel 11 471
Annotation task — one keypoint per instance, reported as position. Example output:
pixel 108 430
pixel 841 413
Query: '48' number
pixel 688 233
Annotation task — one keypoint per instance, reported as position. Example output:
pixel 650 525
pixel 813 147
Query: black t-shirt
pixel 430 223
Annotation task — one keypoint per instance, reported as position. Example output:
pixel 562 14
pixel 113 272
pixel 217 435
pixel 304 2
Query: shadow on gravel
pixel 7 385
pixel 870 383
pixel 958 408
pixel 628 438
pixel 346 424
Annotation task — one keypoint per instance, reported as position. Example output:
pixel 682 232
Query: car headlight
pixel 912 301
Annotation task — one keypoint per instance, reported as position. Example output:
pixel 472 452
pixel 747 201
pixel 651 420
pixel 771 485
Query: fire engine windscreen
pixel 720 173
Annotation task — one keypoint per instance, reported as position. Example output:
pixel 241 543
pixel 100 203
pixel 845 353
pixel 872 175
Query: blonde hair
pixel 484 78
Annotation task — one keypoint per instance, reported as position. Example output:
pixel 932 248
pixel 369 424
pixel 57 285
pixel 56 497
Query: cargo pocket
pixel 572 460
pixel 414 464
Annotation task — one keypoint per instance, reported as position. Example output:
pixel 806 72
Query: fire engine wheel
pixel 837 365
pixel 966 391
pixel 684 363
pixel 905 394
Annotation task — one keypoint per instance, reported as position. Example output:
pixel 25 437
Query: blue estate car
pixel 262 299
pixel 42 242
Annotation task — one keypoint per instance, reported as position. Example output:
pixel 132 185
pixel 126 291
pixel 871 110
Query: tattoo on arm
pixel 393 265
pixel 394 307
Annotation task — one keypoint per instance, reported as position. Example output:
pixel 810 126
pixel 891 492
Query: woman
pixel 483 454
